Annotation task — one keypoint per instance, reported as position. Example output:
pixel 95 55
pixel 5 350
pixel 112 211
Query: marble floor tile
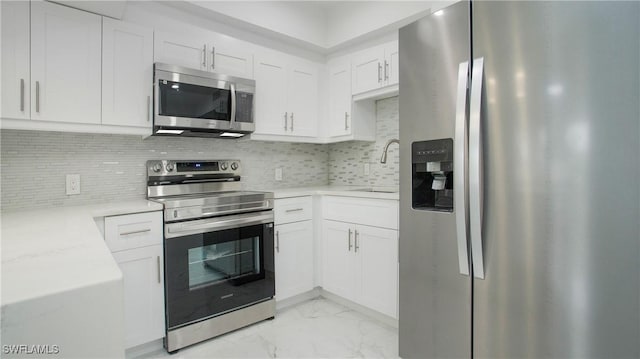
pixel 317 328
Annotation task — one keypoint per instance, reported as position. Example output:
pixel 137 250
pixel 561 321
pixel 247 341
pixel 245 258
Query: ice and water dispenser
pixel 432 175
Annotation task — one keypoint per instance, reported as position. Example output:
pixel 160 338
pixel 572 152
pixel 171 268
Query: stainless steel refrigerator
pixel 520 181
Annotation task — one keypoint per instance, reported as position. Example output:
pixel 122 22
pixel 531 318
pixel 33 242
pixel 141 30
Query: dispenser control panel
pixel 432 175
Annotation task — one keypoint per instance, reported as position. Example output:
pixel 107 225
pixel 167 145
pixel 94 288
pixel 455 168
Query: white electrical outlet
pixel 279 174
pixel 73 184
pixel 367 169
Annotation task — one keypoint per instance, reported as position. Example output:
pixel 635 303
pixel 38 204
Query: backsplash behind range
pixel 112 167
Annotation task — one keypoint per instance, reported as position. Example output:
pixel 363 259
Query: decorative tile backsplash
pixel 112 167
pixel 33 164
pixel 347 159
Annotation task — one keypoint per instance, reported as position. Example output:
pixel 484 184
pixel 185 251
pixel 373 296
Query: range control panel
pixel 190 168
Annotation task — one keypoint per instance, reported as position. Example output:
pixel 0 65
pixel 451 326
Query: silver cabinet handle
pixel 21 95
pixel 291 121
pixel 294 210
pixel 158 262
pixel 213 57
pixel 460 168
pixel 346 121
pixel 386 70
pixel 350 245
pixel 38 96
pixel 475 168
pixel 379 72
pixel 135 232
pixel 356 240
pixel 278 241
pixel 232 87
pixel 204 56
pixel 285 121
pixel 148 108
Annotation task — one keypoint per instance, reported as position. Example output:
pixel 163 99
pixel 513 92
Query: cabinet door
pixel 143 277
pixel 271 117
pixel 231 57
pixel 293 259
pixel 391 61
pixel 378 254
pixel 65 64
pixel 127 74
pixel 339 276
pixel 302 99
pixel 187 51
pixel 15 60
pixel 367 70
pixel 340 97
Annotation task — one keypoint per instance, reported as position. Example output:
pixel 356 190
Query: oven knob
pixel 169 167
pixel 223 166
pixel 234 166
pixel 157 167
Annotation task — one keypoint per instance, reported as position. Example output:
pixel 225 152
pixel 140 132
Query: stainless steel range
pixel 218 249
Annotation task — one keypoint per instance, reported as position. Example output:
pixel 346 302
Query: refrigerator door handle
pixel 475 168
pixel 460 169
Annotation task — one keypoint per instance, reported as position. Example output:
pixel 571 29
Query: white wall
pixel 323 26
pixel 347 20
pixel 305 21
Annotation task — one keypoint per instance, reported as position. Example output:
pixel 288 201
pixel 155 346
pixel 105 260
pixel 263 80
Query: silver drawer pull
pixel 158 262
pixel 135 232
pixel 294 210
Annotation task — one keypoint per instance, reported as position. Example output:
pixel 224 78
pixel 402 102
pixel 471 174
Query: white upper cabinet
pixel 65 64
pixel 127 74
pixel 186 51
pixel 375 67
pixel 302 98
pixel 231 57
pixel 15 60
pixel 207 51
pixel 286 95
pixel 271 116
pixel 391 51
pixel 340 121
pixel 367 69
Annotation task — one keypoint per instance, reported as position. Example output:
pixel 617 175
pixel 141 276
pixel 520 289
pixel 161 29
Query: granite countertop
pixel 54 250
pixel 347 191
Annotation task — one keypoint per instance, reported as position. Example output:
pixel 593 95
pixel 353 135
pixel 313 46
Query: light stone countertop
pixel 347 191
pixel 55 250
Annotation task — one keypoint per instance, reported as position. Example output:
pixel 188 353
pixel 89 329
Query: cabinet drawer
pixel 367 211
pixel 133 230
pixel 295 209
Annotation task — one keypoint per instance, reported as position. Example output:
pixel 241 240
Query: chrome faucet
pixel 383 159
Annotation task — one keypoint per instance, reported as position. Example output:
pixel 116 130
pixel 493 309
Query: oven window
pixel 211 264
pixel 193 101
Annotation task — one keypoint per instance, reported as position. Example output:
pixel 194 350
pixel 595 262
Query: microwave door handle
pixel 232 123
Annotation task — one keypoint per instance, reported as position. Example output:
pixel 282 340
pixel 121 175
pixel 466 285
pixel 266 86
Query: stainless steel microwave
pixel 198 103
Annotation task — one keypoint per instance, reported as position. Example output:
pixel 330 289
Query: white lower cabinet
pixel 360 263
pixel 293 259
pixel 136 243
pixel 143 293
pixel 293 246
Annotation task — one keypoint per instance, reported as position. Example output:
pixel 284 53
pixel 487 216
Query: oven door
pixel 216 265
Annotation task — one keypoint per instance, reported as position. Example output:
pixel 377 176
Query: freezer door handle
pixel 475 167
pixel 460 170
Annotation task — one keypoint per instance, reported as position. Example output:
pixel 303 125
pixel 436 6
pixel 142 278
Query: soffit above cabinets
pixel 321 26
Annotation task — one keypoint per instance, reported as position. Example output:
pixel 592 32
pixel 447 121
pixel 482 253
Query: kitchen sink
pixel 375 190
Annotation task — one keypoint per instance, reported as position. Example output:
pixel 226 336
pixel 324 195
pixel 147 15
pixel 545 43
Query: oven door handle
pixel 217 223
